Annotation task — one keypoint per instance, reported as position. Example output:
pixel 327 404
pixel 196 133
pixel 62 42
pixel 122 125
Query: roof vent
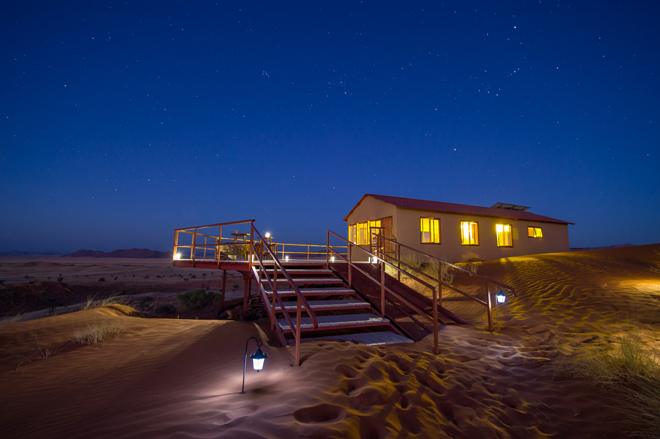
pixel 510 207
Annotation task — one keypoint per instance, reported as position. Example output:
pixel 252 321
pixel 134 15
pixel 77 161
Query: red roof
pixel 438 206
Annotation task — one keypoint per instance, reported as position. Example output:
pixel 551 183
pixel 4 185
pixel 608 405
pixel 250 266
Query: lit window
pixel 373 224
pixel 362 233
pixel 469 233
pixel 534 232
pixel 352 234
pixel 429 230
pixel 504 238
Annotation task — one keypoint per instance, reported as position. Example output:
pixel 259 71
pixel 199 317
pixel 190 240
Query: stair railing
pixel 261 273
pixel 331 252
pixel 488 303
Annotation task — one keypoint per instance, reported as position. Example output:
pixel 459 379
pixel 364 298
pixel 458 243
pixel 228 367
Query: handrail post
pixel 435 321
pixel 398 260
pixel 490 309
pixel 327 249
pixel 205 242
pixel 382 288
pixel 350 264
pixel 298 319
pixel 176 243
pixel 272 323
pixel 194 243
pixel 440 283
pixel 251 245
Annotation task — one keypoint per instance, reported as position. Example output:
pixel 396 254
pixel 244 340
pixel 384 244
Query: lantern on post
pixel 258 360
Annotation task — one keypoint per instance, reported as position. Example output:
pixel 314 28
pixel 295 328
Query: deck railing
pixel 308 251
pixel 393 255
pixel 333 254
pixel 262 275
pixel 206 245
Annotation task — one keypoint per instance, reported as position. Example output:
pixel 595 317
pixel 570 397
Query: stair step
pixel 327 305
pixel 375 338
pixel 314 292
pixel 309 280
pixel 305 271
pixel 335 322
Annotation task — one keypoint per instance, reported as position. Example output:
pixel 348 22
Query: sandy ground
pixel 37 287
pixel 182 378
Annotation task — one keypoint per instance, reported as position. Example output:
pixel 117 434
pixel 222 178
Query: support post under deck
pixel 224 284
pixel 246 291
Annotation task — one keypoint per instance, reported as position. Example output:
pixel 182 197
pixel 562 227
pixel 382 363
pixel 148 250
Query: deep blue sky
pixel 121 121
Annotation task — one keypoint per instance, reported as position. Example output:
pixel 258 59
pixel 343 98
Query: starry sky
pixel 121 121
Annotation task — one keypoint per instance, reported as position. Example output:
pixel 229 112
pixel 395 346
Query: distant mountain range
pixel 124 253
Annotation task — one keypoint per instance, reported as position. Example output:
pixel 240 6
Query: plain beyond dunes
pixel 154 378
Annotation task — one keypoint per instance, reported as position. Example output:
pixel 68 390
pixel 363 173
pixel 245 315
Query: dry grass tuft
pixel 631 369
pixel 93 303
pixel 11 319
pixel 96 332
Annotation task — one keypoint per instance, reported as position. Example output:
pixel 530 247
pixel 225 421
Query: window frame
pixel 476 235
pixel 531 232
pixel 433 239
pixel 362 233
pixel 504 233
pixel 352 233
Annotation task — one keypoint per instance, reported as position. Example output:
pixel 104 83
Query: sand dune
pixel 181 378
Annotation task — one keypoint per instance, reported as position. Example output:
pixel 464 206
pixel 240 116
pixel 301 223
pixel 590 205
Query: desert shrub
pixel 631 369
pixel 145 302
pixel 196 299
pixel 11 319
pixel 165 309
pixel 470 261
pixel 93 303
pixel 96 332
pixel 102 279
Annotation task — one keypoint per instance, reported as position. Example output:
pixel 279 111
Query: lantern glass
pixel 501 297
pixel 258 359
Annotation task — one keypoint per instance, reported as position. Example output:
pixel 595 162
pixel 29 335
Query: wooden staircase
pixel 341 314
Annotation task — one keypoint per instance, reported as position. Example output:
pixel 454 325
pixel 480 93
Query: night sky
pixel 121 121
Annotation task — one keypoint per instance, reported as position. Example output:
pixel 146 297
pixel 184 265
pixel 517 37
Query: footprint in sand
pixel 347 371
pixel 320 414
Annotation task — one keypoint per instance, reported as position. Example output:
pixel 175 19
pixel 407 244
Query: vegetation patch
pixel 197 299
pixel 96 332
pixel 630 367
pixel 93 303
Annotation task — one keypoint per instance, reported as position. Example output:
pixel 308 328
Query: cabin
pixel 455 232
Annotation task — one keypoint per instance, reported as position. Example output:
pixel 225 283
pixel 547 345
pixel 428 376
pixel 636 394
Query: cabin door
pixel 381 246
pixel 387 247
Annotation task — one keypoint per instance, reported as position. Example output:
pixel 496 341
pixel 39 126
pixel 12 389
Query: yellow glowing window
pixel 534 232
pixel 504 238
pixel 469 233
pixel 429 229
pixel 372 225
pixel 362 233
pixel 352 234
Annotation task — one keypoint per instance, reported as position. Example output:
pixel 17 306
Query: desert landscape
pixel 179 374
